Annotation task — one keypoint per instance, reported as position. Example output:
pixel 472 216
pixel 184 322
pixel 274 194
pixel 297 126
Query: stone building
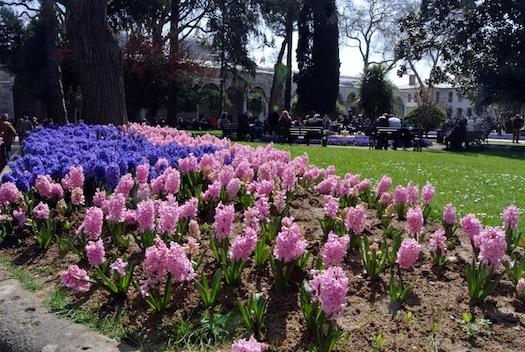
pixel 6 93
pixel 445 96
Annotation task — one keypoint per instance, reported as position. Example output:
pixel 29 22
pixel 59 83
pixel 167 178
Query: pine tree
pixel 318 57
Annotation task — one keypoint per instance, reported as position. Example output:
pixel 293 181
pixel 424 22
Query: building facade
pixel 446 97
pixel 6 93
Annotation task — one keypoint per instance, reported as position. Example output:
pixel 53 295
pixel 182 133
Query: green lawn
pixel 217 133
pixel 483 183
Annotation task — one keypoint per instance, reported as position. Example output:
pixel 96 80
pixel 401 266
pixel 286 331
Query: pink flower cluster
pixel 223 223
pixel 355 219
pixel 471 227
pixel 408 253
pixel 76 279
pixel 165 135
pixel 9 194
pixel 415 220
pixel 161 260
pixel 243 246
pixel 492 246
pixel 437 242
pixel 335 248
pixel 331 206
pixel 47 188
pixel 248 345
pixel 290 243
pixel 95 253
pixel 330 287
pixel 510 218
pixel 119 266
pixel 74 179
pixel 428 193
pixel 41 211
pixel 384 185
pixel 449 214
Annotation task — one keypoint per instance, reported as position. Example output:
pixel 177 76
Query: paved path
pixel 26 325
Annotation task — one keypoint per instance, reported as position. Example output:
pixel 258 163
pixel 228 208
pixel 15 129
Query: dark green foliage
pixel 231 23
pixel 318 57
pixel 490 68
pixel 376 95
pixel 426 116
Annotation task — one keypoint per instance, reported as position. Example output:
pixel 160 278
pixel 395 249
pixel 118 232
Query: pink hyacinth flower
pixel 471 227
pixel 428 193
pixel 384 185
pixel 415 220
pixel 437 242
pixel 243 246
pixel 492 246
pixel 449 215
pixel 334 250
pixel 75 279
pixel 289 243
pixel 355 219
pixel 510 218
pixel 408 253
pixel 248 345
pixel 223 223
pixel 329 288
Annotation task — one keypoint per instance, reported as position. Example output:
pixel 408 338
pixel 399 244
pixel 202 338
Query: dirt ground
pixel 428 322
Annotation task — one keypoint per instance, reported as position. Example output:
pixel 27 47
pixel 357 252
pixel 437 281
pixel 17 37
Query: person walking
pixel 8 134
pixel 26 127
pixel 517 124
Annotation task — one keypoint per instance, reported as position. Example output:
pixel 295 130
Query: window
pixel 460 112
pixel 449 113
pixel 450 97
pixel 409 98
pixel 469 112
pixel 437 97
pixel 460 97
pixel 416 97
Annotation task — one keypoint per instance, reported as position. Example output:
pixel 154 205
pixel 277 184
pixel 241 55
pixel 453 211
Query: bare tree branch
pixel 19 3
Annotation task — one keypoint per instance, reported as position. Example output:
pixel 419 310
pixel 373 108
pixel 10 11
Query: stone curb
pixel 26 325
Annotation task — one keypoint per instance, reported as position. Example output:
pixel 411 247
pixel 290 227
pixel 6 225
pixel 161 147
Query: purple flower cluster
pixel 104 152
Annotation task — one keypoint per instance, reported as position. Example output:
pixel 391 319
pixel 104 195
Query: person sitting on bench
pixel 382 121
pixel 285 122
pixel 458 136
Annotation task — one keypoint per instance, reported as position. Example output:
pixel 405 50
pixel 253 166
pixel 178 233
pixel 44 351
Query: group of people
pixel 401 138
pixel 9 131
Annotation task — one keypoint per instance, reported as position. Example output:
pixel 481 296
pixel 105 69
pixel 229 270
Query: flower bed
pixel 196 245
pixel 104 152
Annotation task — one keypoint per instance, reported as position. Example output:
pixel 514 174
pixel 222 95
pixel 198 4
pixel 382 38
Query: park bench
pixel 232 132
pixel 475 138
pixel 307 133
pixel 385 134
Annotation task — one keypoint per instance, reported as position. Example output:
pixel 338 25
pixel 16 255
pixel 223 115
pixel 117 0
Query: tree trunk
pixel 99 59
pixel 57 105
pixel 173 87
pixel 289 39
pixel 271 101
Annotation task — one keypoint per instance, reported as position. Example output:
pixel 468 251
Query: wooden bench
pixel 385 134
pixel 475 138
pixel 230 131
pixel 307 133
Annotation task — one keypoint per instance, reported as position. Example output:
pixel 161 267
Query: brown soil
pixel 429 321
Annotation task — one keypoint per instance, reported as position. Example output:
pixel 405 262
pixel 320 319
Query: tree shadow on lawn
pixel 509 153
